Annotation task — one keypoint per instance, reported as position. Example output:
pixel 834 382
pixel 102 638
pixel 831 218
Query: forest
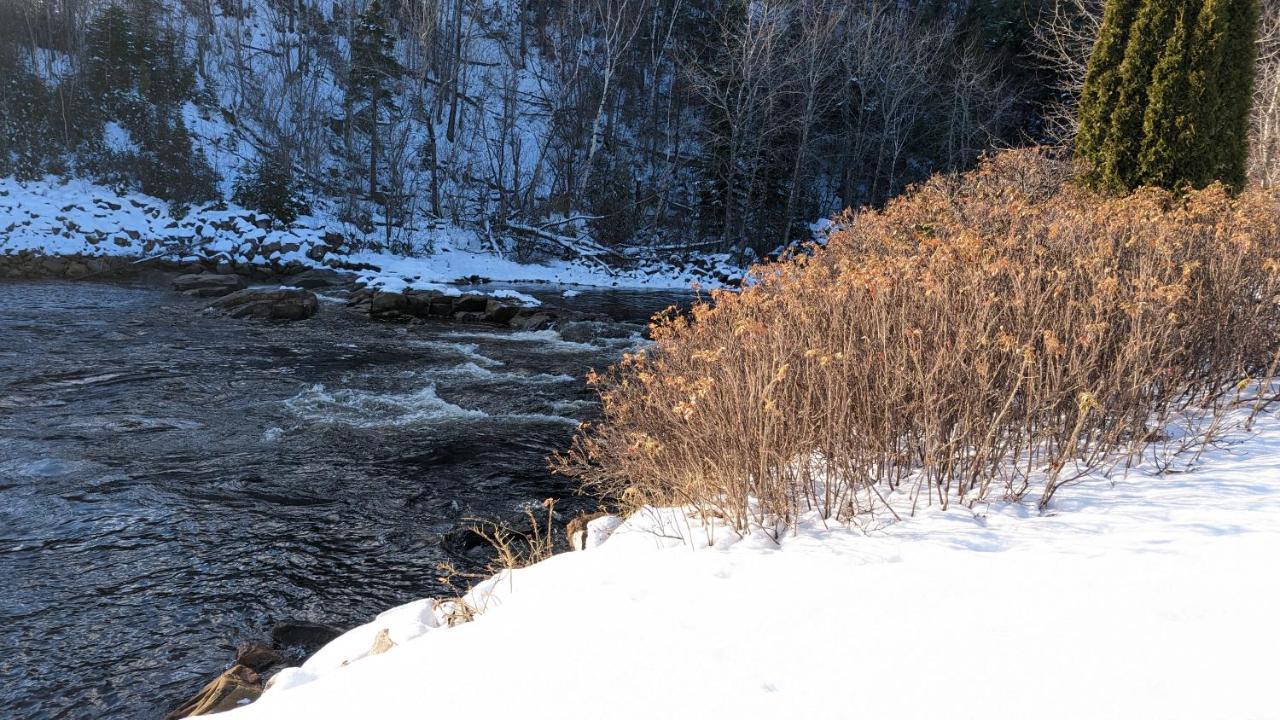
pixel 672 126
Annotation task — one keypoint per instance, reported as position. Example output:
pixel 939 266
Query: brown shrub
pixel 992 331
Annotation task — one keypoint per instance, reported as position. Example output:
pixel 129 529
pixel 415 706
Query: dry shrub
pixel 513 548
pixel 996 331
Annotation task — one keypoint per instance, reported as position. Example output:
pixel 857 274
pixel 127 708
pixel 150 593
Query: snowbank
pixel 76 217
pixel 1151 596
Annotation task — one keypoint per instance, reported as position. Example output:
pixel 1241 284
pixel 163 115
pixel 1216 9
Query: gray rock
pixel 387 303
pixel 526 319
pixel 207 284
pixel 500 312
pixel 300 633
pixel 269 304
pixel 442 306
pixel 315 279
pixel 471 303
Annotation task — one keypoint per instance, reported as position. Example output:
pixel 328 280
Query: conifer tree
pixel 1150 34
pixel 1207 50
pixel 1235 87
pixel 1166 154
pixel 1101 85
pixel 374 70
pixel 1173 111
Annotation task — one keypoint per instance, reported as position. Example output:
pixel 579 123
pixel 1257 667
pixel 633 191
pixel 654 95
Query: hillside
pixel 540 127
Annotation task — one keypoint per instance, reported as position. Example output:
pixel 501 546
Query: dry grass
pixel 982 335
pixel 513 549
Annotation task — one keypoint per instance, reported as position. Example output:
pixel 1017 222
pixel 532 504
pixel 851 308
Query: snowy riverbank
pixel 1149 596
pixel 66 218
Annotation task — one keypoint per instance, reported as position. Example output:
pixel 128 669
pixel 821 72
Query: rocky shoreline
pixel 293 297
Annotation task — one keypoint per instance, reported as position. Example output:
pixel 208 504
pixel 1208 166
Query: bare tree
pixel 813 67
pixel 614 25
pixel 1063 37
pixel 741 92
pixel 1264 156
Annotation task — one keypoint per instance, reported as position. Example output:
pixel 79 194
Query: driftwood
pixel 581 247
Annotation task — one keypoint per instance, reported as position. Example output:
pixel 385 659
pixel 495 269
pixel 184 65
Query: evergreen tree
pixel 1207 50
pixel 109 44
pixel 1235 87
pixel 138 72
pixel 1151 32
pixel 1102 79
pixel 1174 112
pixel 1166 154
pixel 269 187
pixel 371 82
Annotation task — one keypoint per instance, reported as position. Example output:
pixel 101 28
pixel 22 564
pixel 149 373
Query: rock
pixel 315 279
pixel 309 636
pixel 229 690
pixel 469 317
pixel 257 656
pixel 500 312
pixel 387 303
pixel 283 304
pixel 527 319
pixel 441 306
pixel 207 284
pixel 470 303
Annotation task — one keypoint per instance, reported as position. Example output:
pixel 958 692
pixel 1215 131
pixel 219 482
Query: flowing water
pixel 173 481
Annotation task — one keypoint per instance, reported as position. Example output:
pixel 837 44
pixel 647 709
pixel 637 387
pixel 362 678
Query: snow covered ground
pixel 76 217
pixel 1143 597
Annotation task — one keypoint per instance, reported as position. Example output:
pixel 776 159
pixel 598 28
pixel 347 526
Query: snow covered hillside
pixel 77 217
pixel 1144 597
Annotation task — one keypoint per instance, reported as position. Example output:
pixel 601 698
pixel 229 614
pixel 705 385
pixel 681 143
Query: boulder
pixel 262 304
pixel 208 284
pixel 257 656
pixel 315 279
pixel 387 303
pixel 527 319
pixel 500 312
pixel 441 306
pixel 470 303
pixel 309 636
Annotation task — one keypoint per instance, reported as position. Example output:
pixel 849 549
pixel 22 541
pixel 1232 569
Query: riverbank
pixel 1138 596
pixel 174 481
pixel 74 229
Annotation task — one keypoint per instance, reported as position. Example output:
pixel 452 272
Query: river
pixel 174 481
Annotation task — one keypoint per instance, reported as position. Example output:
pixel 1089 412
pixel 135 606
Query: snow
pixel 76 217
pixel 1138 596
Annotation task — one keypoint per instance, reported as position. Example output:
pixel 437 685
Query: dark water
pixel 172 482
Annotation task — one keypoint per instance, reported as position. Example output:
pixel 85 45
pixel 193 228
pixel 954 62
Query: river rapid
pixel 174 481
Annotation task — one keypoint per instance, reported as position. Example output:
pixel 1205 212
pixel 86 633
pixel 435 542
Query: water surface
pixel 173 481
